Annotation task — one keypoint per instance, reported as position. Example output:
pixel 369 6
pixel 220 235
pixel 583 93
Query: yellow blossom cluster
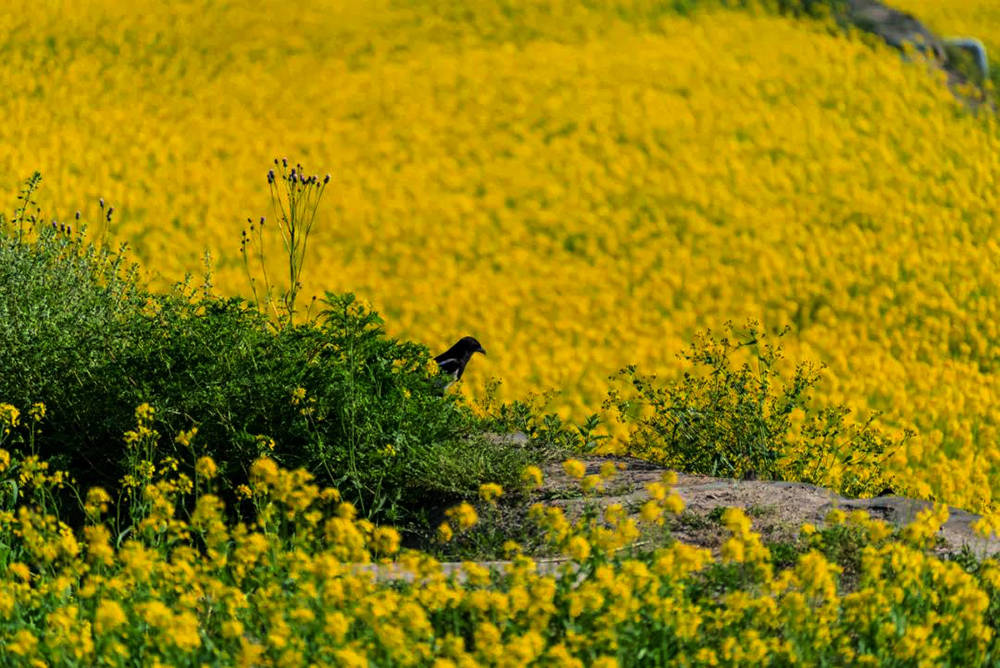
pixel 306 582
pixel 611 177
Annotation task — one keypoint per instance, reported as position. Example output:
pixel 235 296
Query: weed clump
pixel 737 411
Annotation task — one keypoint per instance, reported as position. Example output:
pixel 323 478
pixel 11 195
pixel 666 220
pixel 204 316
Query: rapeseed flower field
pixel 581 186
pixel 309 583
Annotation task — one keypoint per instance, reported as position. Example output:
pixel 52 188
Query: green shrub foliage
pixel 336 395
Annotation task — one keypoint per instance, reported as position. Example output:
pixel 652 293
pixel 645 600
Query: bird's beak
pixel 481 350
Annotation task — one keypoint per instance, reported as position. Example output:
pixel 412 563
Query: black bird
pixel 453 360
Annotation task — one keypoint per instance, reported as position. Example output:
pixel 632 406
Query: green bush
pixel 750 418
pixel 64 311
pixel 360 410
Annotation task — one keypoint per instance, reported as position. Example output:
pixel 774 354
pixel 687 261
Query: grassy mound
pixel 80 334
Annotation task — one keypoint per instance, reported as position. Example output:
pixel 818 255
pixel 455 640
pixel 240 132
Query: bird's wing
pixel 451 366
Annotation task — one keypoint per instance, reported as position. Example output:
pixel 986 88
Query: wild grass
pixel 333 394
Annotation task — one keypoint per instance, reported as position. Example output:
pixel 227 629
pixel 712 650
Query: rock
pixel 778 508
pixel 895 27
pixel 898 29
pixel 512 438
pixel 956 533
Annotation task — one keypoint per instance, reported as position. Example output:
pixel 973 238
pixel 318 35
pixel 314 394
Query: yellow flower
pixel 734 550
pixel 591 483
pixel 704 165
pixel 531 476
pixel 488 641
pixel 464 515
pixel 231 629
pixel 37 411
pixel 109 616
pixel 657 490
pixel 264 443
pixel 385 540
pixel 99 550
pixel 736 521
pixel 835 517
pixel 984 527
pixel 144 413
pixel 706 657
pixel 350 658
pixel 156 614
pixel 559 655
pixel 511 548
pixel 674 504
pixel 205 467
pixel 346 510
pixel 817 575
pixel 23 643
pixel 184 438
pixel 490 492
pixel 574 468
pixel 444 532
pixel 336 624
pixel 97 502
pixel 525 648
pixel 511 176
pixel 264 471
pixel 9 415
pixel 651 512
pixel 20 570
pixel 578 548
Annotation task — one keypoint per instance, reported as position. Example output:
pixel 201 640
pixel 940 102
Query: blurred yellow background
pixel 580 187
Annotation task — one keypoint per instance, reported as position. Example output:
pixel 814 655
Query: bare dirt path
pixel 777 508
